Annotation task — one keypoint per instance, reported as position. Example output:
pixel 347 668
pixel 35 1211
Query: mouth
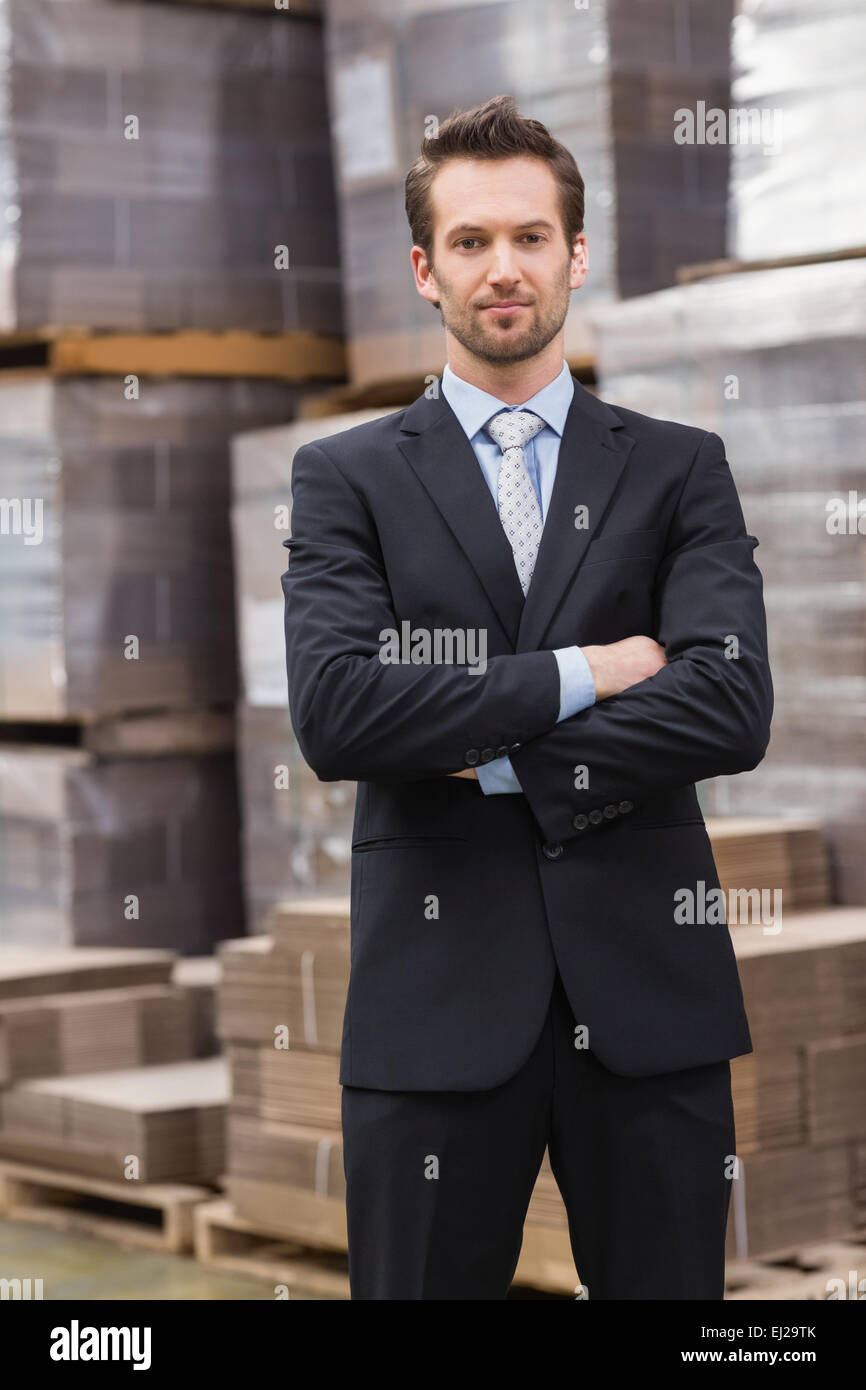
pixel 503 309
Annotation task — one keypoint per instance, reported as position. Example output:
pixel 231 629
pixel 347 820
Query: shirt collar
pixel 474 407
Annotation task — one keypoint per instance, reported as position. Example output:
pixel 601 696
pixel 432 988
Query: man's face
pixel 498 241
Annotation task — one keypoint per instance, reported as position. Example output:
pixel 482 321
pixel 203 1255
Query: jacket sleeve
pixel 354 716
pixel 708 711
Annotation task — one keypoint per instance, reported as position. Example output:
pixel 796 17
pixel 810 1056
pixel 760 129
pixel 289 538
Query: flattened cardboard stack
pixel 60 1035
pixel 158 156
pixel 296 829
pixel 155 1123
pixel 772 361
pixel 198 977
pixel 800 1095
pixel 798 1098
pixel 99 1066
pixel 285 1170
pixel 117 852
pixel 26 972
pixel 605 78
pixel 770 855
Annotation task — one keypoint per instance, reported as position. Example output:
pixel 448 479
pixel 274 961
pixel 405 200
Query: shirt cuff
pixel 576 685
pixel 497 776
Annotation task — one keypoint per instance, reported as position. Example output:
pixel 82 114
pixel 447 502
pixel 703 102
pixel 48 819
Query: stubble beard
pixel 480 334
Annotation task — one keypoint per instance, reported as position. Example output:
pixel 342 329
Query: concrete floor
pixel 73 1266
pixel 79 1266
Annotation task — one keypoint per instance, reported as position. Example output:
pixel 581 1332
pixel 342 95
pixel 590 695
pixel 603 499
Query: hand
pixel 467 772
pixel 620 664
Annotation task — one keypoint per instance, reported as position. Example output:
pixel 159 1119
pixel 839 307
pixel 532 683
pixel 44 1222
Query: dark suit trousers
pixel 438 1182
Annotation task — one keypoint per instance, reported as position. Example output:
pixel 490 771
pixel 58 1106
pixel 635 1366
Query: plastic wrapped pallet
pixel 118 530
pixel 605 78
pixel 799 185
pixel 121 852
pixel 154 158
pixel 296 830
pixel 772 361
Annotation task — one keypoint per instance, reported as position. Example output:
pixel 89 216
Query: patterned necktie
pixel 519 511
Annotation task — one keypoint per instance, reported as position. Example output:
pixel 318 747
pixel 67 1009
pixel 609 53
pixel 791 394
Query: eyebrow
pixel 463 227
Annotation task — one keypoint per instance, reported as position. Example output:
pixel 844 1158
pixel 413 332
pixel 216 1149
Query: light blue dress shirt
pixel 474 408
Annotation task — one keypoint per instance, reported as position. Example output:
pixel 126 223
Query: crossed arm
pixel 705 712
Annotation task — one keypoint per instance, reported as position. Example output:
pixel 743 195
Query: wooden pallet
pixel 393 392
pixel 149 1216
pixel 798 1273
pixel 290 7
pixel 132 734
pixel 708 270
pixel 225 1241
pixel 75 350
pixel 806 1274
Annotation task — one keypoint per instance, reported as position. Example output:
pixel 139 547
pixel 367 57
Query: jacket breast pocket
pixel 624 545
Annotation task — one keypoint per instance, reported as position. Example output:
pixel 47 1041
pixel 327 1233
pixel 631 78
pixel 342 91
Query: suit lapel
pixel 445 462
pixel 592 456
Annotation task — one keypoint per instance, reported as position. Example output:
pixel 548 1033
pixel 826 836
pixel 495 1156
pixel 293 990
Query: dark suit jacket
pixel 393 521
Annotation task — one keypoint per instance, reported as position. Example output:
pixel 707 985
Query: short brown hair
pixel 494 130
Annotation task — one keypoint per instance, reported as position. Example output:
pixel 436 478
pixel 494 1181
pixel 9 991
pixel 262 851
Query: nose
pixel 503 265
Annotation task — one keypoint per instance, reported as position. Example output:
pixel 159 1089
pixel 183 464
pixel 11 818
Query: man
pixel 527 827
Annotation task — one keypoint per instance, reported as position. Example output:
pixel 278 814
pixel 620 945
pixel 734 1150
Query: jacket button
pixel 487 755
pixel 471 756
pixel 596 817
pixel 610 812
pixel 626 806
pixel 503 751
pixel 580 821
pixel 551 851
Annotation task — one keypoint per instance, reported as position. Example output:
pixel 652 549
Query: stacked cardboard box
pixel 151 1124
pixel 102 1065
pixel 156 157
pixel 606 79
pixel 772 361
pixel 800 1095
pixel 771 855
pixel 80 1030
pixel 798 72
pixel 59 1035
pixel 116 589
pixel 281 1003
pixel 27 972
pixel 117 852
pixel 121 601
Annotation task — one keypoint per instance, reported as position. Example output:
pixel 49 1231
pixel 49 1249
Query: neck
pixel 511 382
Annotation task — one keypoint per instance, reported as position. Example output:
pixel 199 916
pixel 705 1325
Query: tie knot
pixel 513 428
